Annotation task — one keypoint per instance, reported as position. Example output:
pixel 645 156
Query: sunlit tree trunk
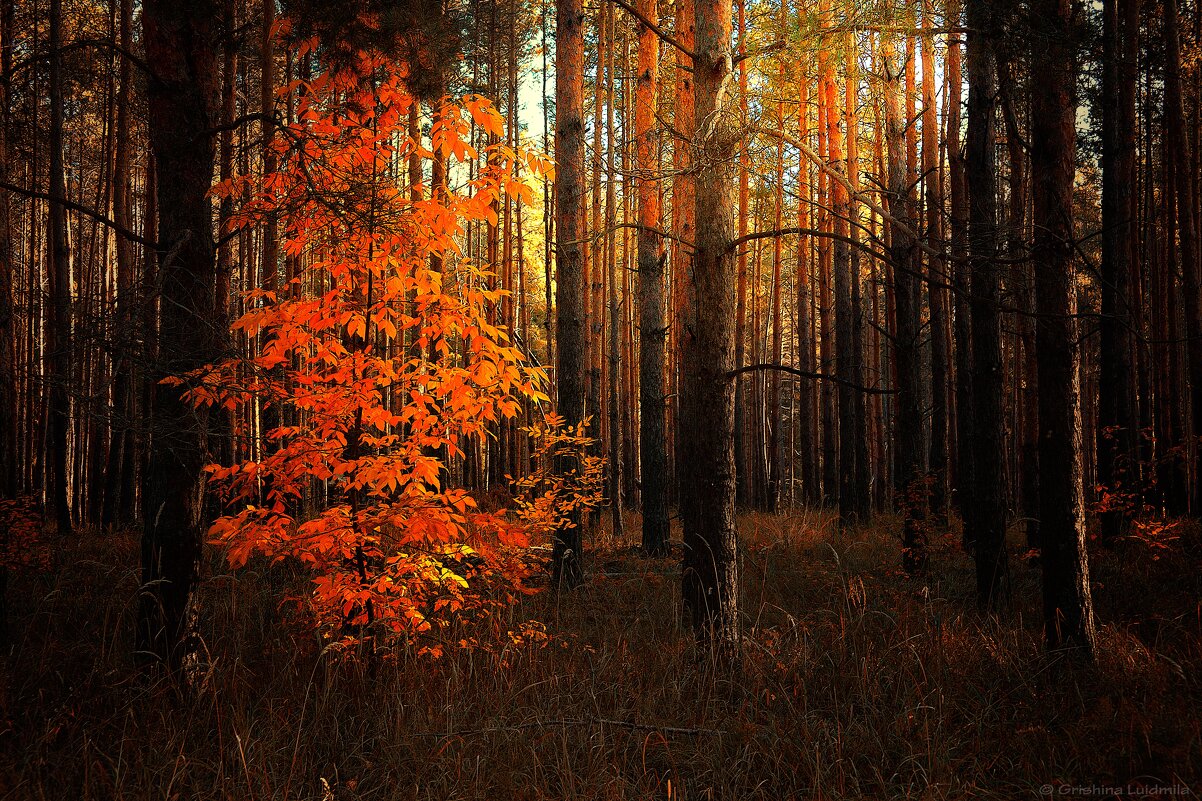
pixel 773 411
pixel 745 488
pixel 683 207
pixel 614 376
pixel 807 443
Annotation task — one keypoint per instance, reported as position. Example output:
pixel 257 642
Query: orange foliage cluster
pixel 377 367
pixel 568 481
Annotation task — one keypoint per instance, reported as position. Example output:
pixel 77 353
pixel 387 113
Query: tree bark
pixel 988 533
pixel 653 327
pixel 908 469
pixel 182 103
pixel 1118 416
pixel 958 221
pixel 569 255
pixel 1177 149
pixel 1068 609
pixel 936 271
pixel 58 312
pixel 707 481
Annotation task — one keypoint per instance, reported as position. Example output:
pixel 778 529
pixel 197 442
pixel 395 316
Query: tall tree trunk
pixel 120 450
pixel 958 220
pixel 988 536
pixel 710 584
pixel 1118 405
pixel 807 443
pixel 860 503
pixel 653 328
pixel 58 271
pixel 683 206
pixel 773 410
pixel 936 277
pixel 569 256
pixel 11 420
pixel 1068 609
pixel 611 274
pixel 182 102
pixel 1177 147
pixel 907 461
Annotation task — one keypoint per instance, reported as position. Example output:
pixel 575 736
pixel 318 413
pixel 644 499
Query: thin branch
pixel 775 47
pixel 782 368
pixel 651 26
pixel 859 196
pixel 234 124
pixel 84 210
pixel 856 243
pixel 82 44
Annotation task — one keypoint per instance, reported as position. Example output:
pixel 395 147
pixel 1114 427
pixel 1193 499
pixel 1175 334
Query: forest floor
pixel 857 682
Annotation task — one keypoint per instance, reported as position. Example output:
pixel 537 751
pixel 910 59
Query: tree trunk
pixel 988 535
pixel 707 491
pixel 683 206
pixel 1118 417
pixel 183 104
pixel 936 272
pixel 807 443
pixel 653 328
pixel 1177 150
pixel 907 463
pixel 58 273
pixel 958 220
pixel 1068 609
pixel 569 256
pixel 611 274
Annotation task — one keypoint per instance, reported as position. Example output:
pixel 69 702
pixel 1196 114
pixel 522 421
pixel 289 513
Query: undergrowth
pixel 857 682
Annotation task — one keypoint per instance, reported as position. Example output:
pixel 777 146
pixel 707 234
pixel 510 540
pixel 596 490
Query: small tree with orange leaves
pixel 377 367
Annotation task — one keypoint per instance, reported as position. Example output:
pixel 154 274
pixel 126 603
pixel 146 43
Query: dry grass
pixel 857 682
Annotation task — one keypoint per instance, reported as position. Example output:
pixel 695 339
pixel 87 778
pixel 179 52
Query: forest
pixel 600 399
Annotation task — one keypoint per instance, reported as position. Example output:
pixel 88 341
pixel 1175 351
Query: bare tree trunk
pixel 653 327
pixel 908 468
pixel 569 257
pixel 58 271
pixel 118 485
pixel 936 271
pixel 707 481
pixel 179 41
pixel 1177 150
pixel 964 480
pixel 1118 415
pixel 860 503
pixel 988 535
pixel 807 443
pixel 611 273
pixel 683 225
pixel 1068 609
